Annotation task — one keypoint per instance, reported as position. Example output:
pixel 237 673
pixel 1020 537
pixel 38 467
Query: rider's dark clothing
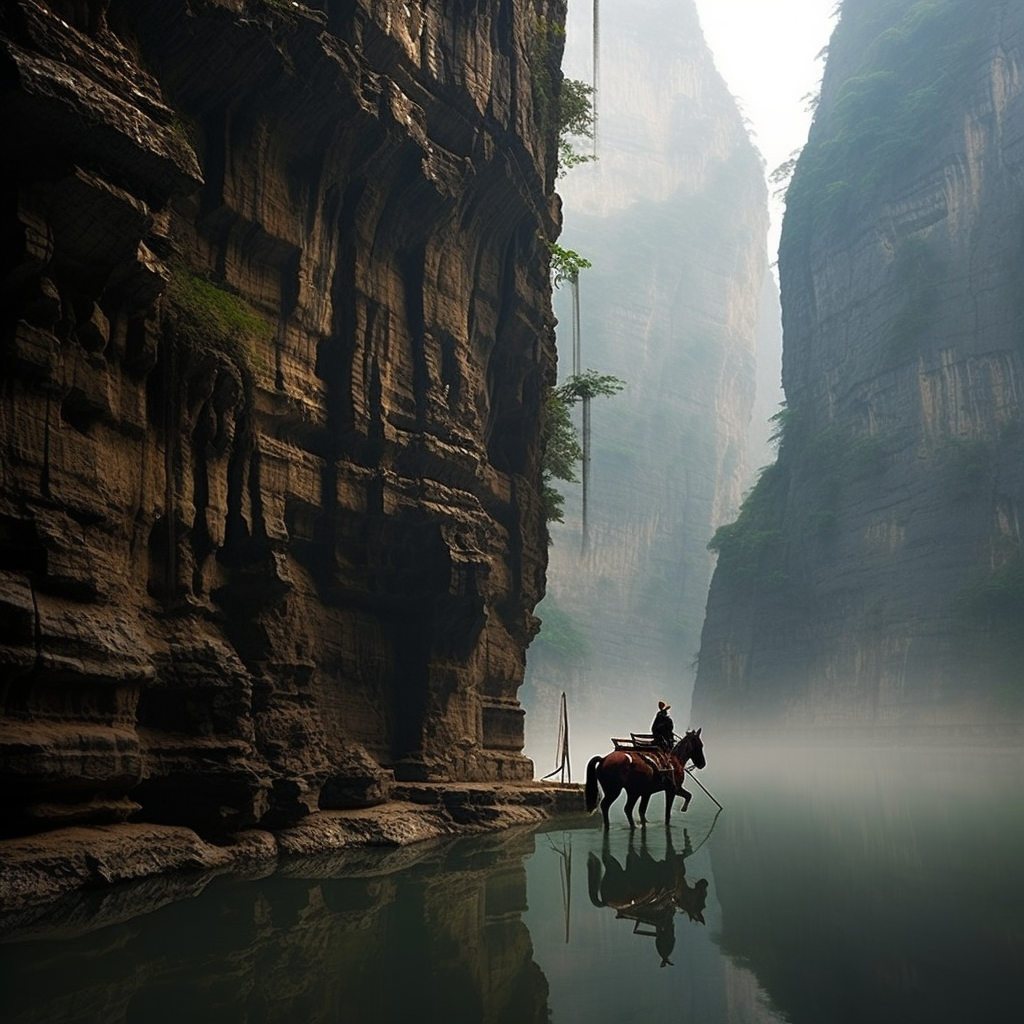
pixel 663 729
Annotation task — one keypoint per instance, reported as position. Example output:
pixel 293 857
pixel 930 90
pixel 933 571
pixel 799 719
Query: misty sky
pixel 767 53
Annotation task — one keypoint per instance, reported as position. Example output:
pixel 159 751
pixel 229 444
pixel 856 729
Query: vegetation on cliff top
pixel 822 463
pixel 896 103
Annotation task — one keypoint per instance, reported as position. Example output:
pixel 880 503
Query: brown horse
pixel 632 771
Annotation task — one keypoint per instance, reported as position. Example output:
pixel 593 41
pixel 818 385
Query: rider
pixel 662 728
pixel 665 737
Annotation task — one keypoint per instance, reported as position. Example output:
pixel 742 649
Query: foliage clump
pixel 575 121
pixel 564 104
pixel 562 448
pixel 589 384
pixel 562 451
pixel 743 546
pixel 207 317
pixel 900 100
pixel 566 264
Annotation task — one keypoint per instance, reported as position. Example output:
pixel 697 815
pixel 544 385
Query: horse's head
pixel 691 746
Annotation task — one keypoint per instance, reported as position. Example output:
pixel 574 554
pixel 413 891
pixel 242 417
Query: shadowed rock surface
pixel 276 338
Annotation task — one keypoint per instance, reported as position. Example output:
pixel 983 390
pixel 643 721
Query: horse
pixel 631 770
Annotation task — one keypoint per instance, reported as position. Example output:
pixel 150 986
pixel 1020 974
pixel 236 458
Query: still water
pixel 835 888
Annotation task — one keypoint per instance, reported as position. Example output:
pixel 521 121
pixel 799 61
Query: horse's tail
pixel 591 790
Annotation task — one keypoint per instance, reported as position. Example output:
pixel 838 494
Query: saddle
pixel 649 750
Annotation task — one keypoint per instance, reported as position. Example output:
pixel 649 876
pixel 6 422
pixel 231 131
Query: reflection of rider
pixel 647 891
pixel 662 727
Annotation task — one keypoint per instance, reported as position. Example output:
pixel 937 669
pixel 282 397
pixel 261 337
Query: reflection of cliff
pixel 441 941
pixel 877 572
pixel 673 216
pixel 647 891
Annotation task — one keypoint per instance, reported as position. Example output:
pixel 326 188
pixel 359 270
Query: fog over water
pixel 679 298
pixel 834 885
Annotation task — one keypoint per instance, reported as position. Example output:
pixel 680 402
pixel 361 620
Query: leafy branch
pixel 562 448
pixel 588 384
pixel 566 264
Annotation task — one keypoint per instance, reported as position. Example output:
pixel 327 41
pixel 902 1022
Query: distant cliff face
pixel 876 573
pixel 276 336
pixel 673 216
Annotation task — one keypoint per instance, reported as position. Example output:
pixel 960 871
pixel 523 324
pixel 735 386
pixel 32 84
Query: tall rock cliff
pixel 673 216
pixel 276 337
pixel 876 573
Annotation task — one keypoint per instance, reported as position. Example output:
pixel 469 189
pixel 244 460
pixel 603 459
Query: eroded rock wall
pixel 876 574
pixel 276 335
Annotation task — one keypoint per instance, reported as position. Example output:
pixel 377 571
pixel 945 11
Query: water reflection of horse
pixel 639 772
pixel 648 891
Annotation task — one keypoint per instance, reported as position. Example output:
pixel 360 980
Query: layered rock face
pixel 673 216
pixel 276 337
pixel 876 573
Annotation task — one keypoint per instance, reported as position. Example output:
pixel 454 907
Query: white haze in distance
pixel 768 53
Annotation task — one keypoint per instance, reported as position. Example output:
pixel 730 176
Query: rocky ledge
pixel 37 870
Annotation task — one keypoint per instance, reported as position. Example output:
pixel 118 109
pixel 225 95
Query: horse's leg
pixel 643 808
pixel 611 794
pixel 687 796
pixel 669 797
pixel 630 801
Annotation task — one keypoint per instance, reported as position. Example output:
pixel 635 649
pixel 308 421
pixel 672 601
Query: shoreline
pixel 41 869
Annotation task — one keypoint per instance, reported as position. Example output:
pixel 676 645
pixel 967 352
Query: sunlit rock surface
pixel 276 334
pixel 673 215
pixel 877 575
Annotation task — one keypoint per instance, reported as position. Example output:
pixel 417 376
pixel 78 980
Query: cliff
pixel 276 340
pixel 875 575
pixel 673 216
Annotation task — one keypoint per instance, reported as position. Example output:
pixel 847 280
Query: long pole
pixel 689 771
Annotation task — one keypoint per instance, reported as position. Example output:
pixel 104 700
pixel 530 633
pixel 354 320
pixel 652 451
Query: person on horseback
pixel 662 727
pixel 664 734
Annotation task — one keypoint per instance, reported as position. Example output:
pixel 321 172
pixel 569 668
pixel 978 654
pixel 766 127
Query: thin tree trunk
pixel 576 324
pixel 586 468
pixel 597 49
